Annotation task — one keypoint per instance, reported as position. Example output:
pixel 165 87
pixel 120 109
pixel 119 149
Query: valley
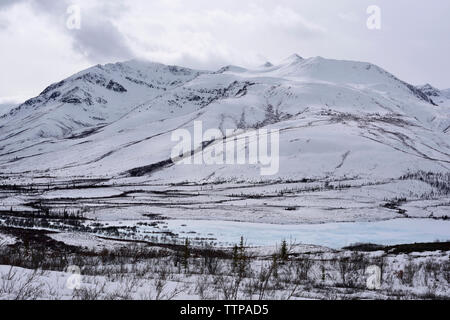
pixel 88 178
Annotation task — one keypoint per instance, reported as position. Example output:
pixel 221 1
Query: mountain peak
pixel 429 90
pixel 293 58
pixel 231 68
pixel 428 86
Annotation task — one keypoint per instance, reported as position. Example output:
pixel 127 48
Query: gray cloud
pixel 50 6
pixel 207 35
pixel 4 4
pixel 100 41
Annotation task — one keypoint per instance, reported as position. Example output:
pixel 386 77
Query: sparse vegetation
pixel 211 273
pixel 167 265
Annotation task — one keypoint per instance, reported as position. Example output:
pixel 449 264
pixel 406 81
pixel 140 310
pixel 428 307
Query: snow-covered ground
pixel 364 157
pixel 6 240
pixel 317 274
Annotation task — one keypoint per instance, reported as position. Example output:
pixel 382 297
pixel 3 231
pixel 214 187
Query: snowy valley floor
pixel 125 238
pixel 38 267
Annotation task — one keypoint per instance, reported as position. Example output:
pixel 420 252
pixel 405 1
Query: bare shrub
pixel 229 286
pixel 91 292
pixel 21 286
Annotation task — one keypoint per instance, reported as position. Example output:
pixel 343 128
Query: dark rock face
pixel 100 80
pixel 117 87
pixel 55 95
pixel 33 101
pixel 203 97
pixel 93 78
pixel 77 96
pixel 430 90
pixel 419 94
pixel 53 87
pixel 71 100
pixel 179 70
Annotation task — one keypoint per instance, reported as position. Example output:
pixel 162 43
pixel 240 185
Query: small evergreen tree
pixel 235 260
pixel 240 259
pixel 323 273
pixel 243 258
pixel 284 255
pixel 186 254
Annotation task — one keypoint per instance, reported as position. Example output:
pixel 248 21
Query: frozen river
pixel 333 235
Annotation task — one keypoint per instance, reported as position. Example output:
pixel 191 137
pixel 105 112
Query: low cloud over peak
pixel 206 35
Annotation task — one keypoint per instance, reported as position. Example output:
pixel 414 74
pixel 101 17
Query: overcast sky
pixel 37 48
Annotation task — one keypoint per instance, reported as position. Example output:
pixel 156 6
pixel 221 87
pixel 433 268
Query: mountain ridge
pixel 105 119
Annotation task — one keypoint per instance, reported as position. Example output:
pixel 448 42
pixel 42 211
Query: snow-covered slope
pixel 93 97
pixel 440 97
pixel 6 108
pixel 339 118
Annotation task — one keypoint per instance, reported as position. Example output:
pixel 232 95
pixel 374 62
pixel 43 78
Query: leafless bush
pixel 446 271
pixel 126 290
pixel 23 286
pixel 211 264
pixel 259 285
pixel 409 272
pixel 303 265
pixel 201 287
pixel 158 288
pixel 229 286
pixel 344 268
pixel 91 292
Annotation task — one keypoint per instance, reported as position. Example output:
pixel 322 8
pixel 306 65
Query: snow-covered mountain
pixel 6 107
pixel 338 118
pixel 440 97
pixel 96 96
